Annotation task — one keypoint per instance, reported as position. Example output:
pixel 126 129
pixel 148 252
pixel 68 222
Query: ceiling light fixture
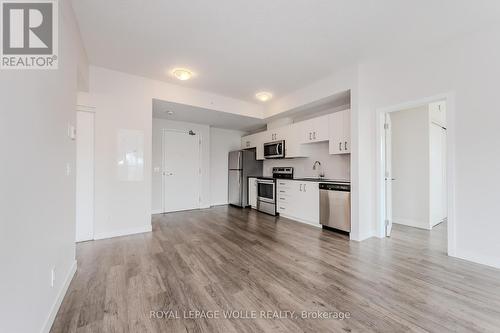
pixel 263 96
pixel 170 112
pixel 182 74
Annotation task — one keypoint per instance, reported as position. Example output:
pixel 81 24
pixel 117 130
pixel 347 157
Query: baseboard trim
pixel 412 223
pixel 301 221
pixel 478 259
pixel 125 232
pixel 156 211
pixel 218 204
pixel 60 296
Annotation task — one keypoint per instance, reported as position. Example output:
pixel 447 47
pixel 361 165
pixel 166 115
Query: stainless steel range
pixel 266 189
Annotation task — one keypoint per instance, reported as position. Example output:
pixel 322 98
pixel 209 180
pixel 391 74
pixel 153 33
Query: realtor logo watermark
pixel 29 34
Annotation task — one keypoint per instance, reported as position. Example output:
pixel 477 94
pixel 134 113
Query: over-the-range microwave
pixel 274 149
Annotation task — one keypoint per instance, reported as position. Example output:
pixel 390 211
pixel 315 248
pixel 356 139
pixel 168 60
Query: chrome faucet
pixel 321 174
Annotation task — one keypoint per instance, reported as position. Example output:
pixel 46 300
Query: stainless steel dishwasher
pixel 335 205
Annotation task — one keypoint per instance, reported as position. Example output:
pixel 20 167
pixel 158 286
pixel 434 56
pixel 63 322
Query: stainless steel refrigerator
pixel 242 164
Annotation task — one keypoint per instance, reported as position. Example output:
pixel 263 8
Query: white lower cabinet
pixel 252 192
pixel 299 200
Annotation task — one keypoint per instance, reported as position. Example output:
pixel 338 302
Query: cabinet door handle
pixel 310 136
pixel 345 145
pixel 314 135
pixel 340 146
pixel 300 188
pixel 282 198
pixel 304 187
pixel 282 191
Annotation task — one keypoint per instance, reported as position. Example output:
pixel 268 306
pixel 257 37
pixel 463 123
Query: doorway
pixel 84 176
pixel 415 170
pixel 181 170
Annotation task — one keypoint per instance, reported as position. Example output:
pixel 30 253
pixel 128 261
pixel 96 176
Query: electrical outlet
pixel 52 277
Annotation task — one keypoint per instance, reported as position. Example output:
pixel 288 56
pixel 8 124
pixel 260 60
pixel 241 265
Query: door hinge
pixel 386 126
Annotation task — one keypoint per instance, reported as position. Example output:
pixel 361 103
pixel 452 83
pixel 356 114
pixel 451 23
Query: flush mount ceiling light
pixel 169 112
pixel 182 73
pixel 263 96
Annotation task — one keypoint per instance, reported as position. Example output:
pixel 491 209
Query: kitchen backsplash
pixel 334 166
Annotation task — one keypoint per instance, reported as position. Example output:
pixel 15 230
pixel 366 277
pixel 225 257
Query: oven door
pixel 266 190
pixel 274 149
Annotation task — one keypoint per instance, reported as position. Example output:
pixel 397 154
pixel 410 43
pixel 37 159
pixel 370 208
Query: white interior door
pixel 181 171
pixel 84 176
pixel 388 174
pixel 438 199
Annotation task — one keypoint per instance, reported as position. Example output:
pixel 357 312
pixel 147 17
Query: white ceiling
pixel 193 114
pixel 238 47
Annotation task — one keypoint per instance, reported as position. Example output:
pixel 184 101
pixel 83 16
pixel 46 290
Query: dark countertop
pixel 323 180
pixel 307 179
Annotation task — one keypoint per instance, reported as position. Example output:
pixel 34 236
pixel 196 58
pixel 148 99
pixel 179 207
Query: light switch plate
pixel 71 132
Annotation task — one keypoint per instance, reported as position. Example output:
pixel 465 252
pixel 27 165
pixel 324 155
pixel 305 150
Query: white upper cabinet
pixel 340 132
pixel 315 130
pixel 335 128
pixel 255 141
pixel 276 134
pixel 248 141
pixel 260 139
pixel 293 146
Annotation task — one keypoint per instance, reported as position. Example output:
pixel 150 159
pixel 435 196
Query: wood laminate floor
pixel 226 258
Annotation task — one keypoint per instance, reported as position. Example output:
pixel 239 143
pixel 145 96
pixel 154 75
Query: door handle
pixel 310 136
pixel 314 135
pixel 340 146
pixel 305 188
pixel 345 145
pixel 300 188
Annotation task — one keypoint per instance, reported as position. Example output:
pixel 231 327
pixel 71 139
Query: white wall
pixel 216 144
pixel 468 67
pixel 37 197
pixel 334 166
pixel 204 131
pixel 410 167
pixel 124 101
pixel 222 141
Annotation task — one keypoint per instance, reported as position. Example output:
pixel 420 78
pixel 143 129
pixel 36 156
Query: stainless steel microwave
pixel 274 149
